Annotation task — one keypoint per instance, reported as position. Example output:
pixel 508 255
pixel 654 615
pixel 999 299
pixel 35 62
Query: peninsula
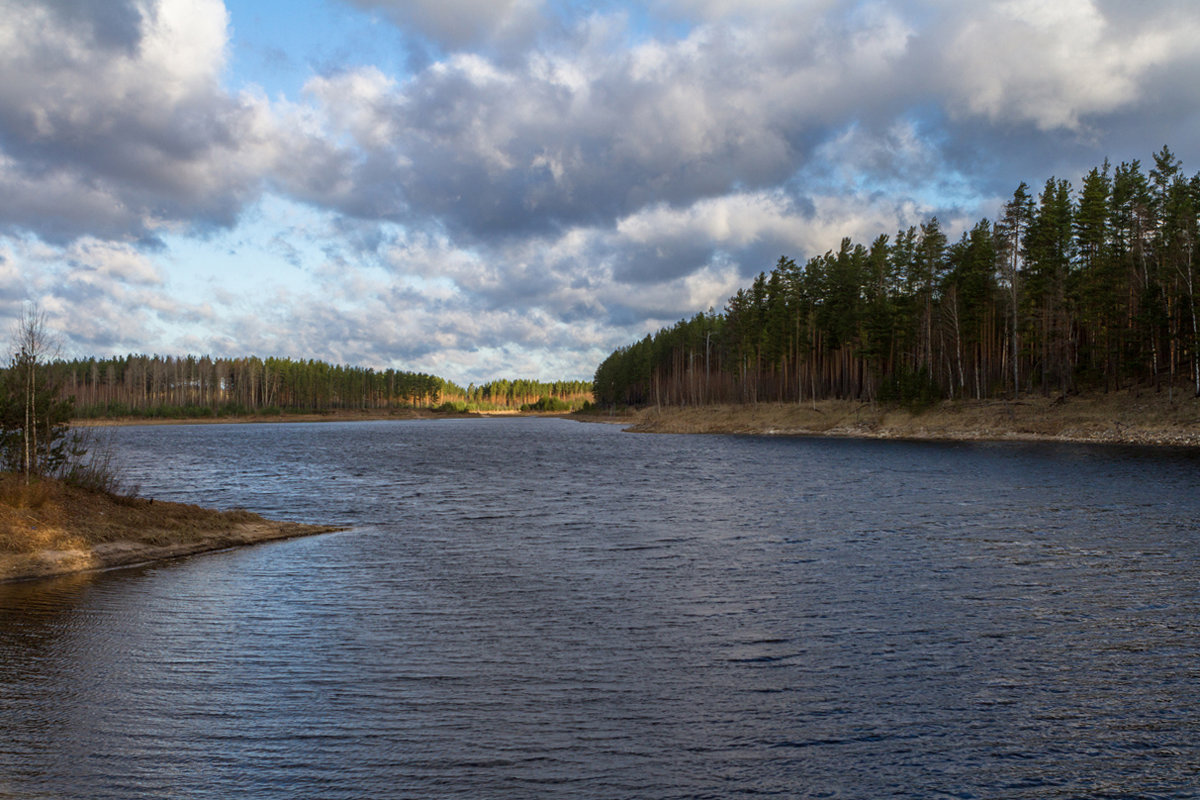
pixel 48 527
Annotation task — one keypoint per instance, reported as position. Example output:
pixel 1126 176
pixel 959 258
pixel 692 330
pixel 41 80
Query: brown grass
pixel 29 513
pixel 1138 418
pixel 49 527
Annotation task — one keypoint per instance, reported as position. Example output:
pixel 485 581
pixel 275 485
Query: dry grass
pixel 49 514
pixel 20 495
pixel 52 528
pixel 1140 418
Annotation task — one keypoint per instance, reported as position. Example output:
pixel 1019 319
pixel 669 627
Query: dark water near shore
pixel 540 608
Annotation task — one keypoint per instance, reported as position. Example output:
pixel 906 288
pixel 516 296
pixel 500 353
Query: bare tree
pixel 38 411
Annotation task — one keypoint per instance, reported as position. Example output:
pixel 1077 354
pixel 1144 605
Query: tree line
pixel 1088 289
pixel 149 385
pixel 202 386
pixel 526 394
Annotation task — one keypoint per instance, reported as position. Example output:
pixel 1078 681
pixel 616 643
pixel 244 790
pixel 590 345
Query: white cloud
pixel 544 184
pixel 731 221
pixel 92 260
pixel 132 137
pixel 1057 64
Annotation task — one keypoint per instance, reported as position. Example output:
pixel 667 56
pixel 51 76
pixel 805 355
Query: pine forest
pixel 191 386
pixel 1088 289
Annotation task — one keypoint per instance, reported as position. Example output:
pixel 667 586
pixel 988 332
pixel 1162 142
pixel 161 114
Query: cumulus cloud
pixel 113 121
pixel 91 259
pixel 587 135
pixel 1058 64
pixel 748 101
pixel 550 181
pixel 102 295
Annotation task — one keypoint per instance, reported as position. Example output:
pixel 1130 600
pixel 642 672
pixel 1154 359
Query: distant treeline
pixel 1088 289
pixel 524 392
pixel 201 386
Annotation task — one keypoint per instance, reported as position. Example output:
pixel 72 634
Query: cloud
pixel 457 24
pixel 545 182
pixel 592 130
pixel 113 121
pixel 1056 65
pixel 91 260
pixel 102 295
pixel 589 133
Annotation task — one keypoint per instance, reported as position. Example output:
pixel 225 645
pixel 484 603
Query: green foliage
pixel 34 422
pixel 1067 290
pixel 35 437
pixel 190 387
pixel 521 392
pixel 547 403
pixel 914 389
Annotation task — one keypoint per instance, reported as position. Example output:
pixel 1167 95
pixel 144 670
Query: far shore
pixel 332 416
pixel 1142 418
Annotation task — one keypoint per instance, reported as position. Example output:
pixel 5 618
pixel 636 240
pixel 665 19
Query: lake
pixel 543 608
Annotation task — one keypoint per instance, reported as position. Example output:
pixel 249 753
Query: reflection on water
pixel 537 608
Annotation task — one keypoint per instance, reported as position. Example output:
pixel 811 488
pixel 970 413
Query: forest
pixel 202 386
pixel 1069 290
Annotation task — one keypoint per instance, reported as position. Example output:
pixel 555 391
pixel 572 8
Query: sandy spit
pixel 108 555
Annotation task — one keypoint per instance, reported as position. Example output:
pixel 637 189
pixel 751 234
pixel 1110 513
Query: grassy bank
pixel 1119 417
pixel 51 528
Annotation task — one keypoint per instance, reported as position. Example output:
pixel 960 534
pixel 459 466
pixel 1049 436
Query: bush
pixel 95 468
pixel 36 439
pixel 550 404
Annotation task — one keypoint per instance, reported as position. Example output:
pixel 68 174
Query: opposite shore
pixel 1141 418
pixel 331 416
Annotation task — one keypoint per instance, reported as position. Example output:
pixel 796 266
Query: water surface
pixel 541 608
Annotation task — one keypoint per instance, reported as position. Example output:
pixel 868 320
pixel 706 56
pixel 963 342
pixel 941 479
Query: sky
pixel 514 188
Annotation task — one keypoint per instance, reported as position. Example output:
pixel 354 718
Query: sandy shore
pixel 107 555
pixel 1127 418
pixel 51 528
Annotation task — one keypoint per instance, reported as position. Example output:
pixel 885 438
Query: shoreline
pixel 1119 418
pixel 50 563
pixel 1128 417
pixel 49 527
pixel 339 416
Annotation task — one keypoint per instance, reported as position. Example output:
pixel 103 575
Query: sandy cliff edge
pixel 1118 418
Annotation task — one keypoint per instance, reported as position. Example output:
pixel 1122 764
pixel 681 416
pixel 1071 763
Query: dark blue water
pixel 541 608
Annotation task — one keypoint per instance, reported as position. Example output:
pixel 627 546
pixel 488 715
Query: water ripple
pixel 537 608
